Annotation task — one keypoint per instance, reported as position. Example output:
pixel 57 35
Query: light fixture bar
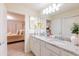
pixel 52 8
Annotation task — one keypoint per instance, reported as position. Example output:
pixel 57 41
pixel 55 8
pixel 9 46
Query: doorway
pixel 15 34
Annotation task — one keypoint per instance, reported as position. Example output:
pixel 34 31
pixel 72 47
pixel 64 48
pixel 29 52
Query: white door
pixel 3 31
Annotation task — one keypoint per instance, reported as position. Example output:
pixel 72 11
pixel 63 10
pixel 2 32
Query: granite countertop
pixel 60 43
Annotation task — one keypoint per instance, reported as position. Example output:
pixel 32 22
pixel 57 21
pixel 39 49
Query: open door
pixel 3 31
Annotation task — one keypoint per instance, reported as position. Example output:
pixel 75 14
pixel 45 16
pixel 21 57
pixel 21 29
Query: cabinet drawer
pixel 43 51
pixel 37 51
pixel 50 53
pixel 66 53
pixel 53 49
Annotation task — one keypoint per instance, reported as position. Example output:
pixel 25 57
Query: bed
pixel 14 38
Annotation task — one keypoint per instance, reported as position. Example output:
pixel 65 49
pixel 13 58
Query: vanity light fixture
pixel 49 9
pixel 52 8
pixel 58 6
pixel 55 7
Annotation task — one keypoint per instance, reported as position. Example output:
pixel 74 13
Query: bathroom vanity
pixel 46 46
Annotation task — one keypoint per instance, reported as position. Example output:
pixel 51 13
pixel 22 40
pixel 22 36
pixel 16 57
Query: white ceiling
pixel 35 6
pixel 38 7
pixel 29 6
pixel 67 7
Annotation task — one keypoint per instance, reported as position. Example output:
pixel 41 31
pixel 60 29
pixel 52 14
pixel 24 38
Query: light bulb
pixel 47 10
pixel 54 6
pixel 59 5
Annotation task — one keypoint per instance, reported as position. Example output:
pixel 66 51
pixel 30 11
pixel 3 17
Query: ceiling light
pixel 9 17
pixel 54 6
pixel 59 5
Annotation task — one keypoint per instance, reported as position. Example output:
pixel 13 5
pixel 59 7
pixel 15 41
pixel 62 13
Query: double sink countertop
pixel 66 45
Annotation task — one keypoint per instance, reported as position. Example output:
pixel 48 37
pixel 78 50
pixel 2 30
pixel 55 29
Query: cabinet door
pixel 53 49
pixel 43 51
pixel 66 53
pixel 43 48
pixel 31 43
pixel 50 53
pixel 35 46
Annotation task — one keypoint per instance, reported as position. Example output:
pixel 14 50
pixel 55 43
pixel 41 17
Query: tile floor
pixel 17 49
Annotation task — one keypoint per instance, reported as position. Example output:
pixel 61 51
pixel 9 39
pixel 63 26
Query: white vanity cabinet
pixel 54 50
pixel 66 53
pixel 50 53
pixel 32 44
pixel 35 46
pixel 42 48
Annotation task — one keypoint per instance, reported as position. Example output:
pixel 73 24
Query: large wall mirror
pixel 62 27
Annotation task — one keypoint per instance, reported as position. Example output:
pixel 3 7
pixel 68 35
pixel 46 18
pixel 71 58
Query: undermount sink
pixel 62 41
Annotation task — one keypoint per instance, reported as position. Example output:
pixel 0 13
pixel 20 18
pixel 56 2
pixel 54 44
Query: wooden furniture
pixel 14 38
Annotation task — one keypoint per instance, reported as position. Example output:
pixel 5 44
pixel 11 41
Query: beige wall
pixel 16 24
pixel 16 16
